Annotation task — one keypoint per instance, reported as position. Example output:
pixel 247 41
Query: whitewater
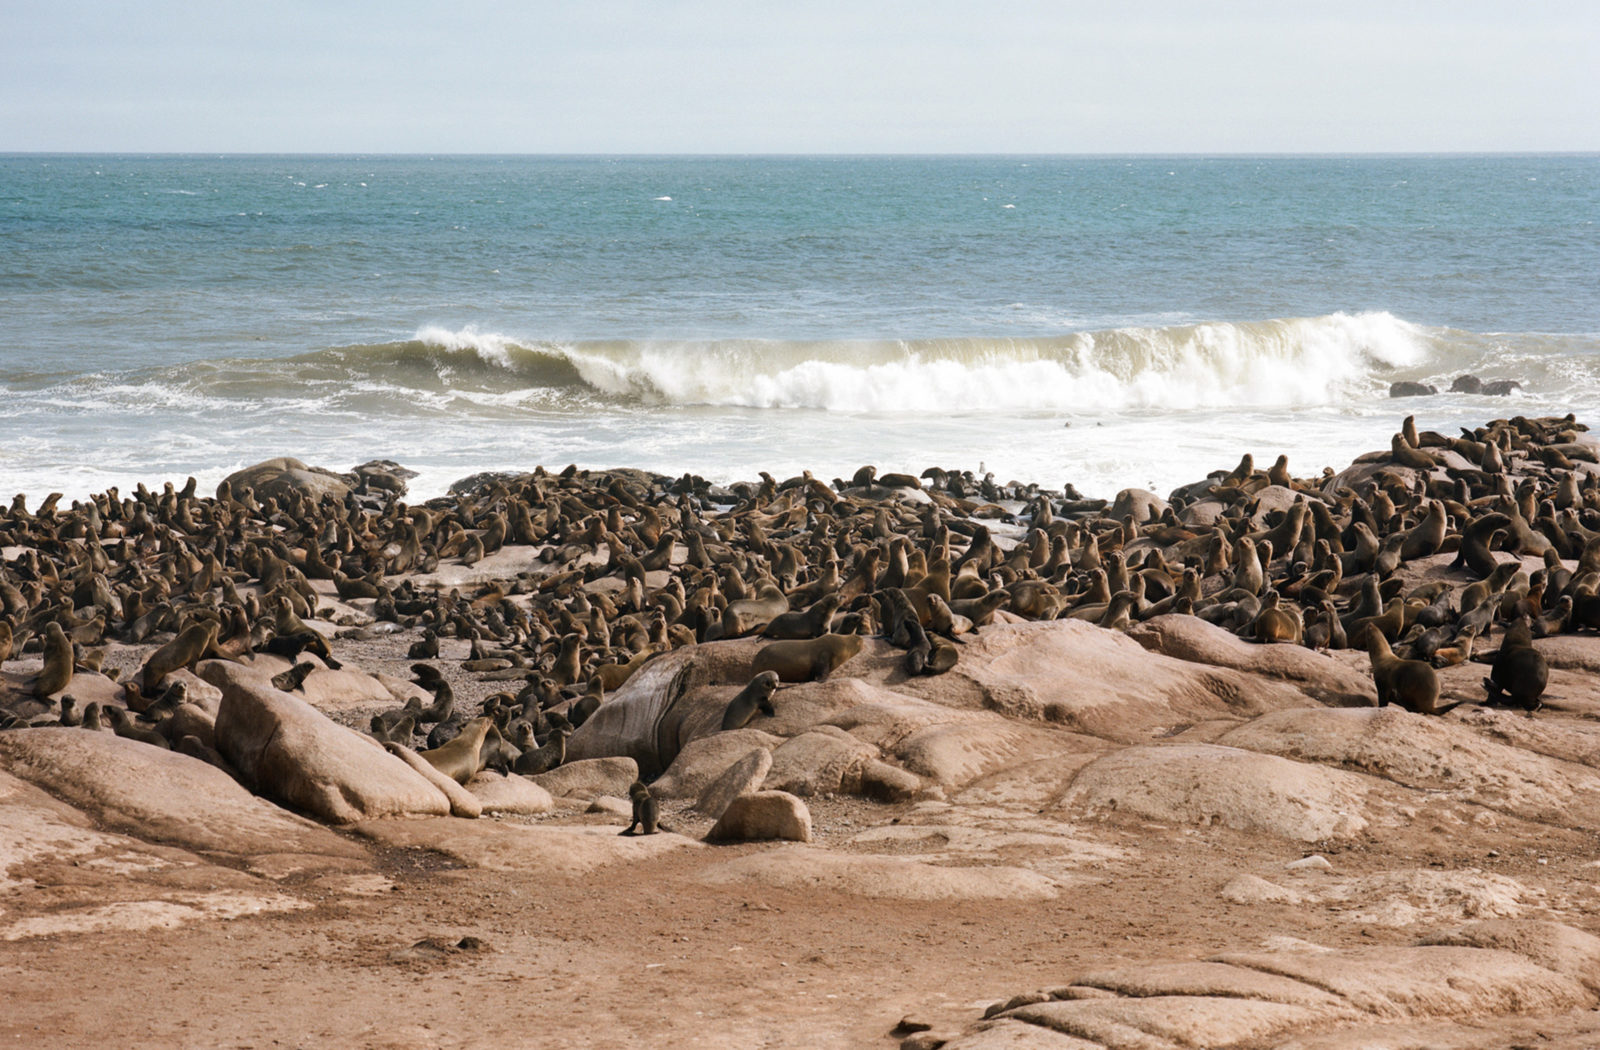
pixel 1100 321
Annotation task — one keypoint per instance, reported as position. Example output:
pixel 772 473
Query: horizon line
pixel 645 154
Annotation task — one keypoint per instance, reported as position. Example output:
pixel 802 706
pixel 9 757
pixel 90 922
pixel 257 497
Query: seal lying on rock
pixel 812 660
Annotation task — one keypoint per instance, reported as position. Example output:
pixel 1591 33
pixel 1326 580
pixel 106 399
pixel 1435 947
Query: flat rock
pixel 894 878
pixel 566 852
pixel 1434 754
pixel 1193 639
pixel 60 875
pixel 159 795
pixel 1208 784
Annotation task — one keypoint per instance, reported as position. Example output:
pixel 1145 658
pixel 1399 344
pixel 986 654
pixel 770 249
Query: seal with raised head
pixel 1519 673
pixel 183 651
pixel 1410 683
pixel 461 758
pixel 755 696
pixel 646 810
pixel 812 660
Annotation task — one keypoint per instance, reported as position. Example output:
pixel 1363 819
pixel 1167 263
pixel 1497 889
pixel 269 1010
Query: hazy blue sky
pixel 858 76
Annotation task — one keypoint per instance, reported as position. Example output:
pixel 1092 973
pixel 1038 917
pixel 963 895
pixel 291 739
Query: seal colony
pixel 1000 701
pixel 623 567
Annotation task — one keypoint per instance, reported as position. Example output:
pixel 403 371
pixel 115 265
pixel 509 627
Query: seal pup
pixel 646 810
pixel 292 679
pixel 755 696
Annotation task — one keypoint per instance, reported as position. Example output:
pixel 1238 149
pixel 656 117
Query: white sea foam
pixel 1284 363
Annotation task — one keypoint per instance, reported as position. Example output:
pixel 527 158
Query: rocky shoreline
pixel 994 700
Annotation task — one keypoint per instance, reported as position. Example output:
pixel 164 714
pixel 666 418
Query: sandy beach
pixel 1060 772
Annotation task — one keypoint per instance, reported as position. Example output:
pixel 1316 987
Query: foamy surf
pixel 1283 362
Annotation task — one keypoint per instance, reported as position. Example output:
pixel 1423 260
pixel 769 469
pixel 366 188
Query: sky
pixel 721 76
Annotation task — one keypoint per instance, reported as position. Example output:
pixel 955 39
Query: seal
pixel 1412 684
pixel 1519 673
pixel 755 696
pixel 646 810
pixel 461 758
pixel 812 660
pixel 544 759
pixel 56 674
pixel 183 651
pixel 807 623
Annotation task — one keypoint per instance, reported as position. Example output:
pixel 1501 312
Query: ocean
pixel 1101 321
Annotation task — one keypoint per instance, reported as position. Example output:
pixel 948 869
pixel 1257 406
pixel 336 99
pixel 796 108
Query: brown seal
pixel 462 757
pixel 646 811
pixel 56 674
pixel 1410 683
pixel 755 696
pixel 183 651
pixel 1520 672
pixel 812 660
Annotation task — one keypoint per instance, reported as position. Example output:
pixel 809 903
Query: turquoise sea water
pixel 1106 321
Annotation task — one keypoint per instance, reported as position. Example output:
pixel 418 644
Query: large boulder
pixel 159 795
pixel 590 778
pixel 763 815
pixel 284 476
pixel 289 751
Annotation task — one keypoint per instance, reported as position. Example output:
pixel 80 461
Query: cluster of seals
pixel 628 565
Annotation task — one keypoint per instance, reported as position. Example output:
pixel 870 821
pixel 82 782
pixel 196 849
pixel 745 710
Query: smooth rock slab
pixel 159 795
pixel 892 878
pixel 69 877
pixel 1433 754
pixel 567 852
pixel 1206 783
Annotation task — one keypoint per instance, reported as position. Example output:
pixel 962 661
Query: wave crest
pixel 1284 362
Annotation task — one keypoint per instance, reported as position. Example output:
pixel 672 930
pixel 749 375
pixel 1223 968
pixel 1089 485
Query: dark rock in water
pixel 283 476
pixel 1471 384
pixel 1408 388
pixel 483 479
pixel 384 476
